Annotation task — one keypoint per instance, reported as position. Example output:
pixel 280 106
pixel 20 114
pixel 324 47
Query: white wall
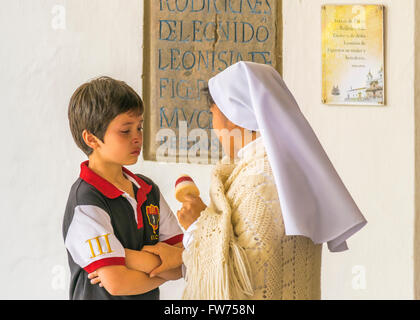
pixel 372 148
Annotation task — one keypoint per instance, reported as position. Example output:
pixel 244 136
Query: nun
pixel 273 207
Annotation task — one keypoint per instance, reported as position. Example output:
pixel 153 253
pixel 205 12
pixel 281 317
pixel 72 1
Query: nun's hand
pixel 190 211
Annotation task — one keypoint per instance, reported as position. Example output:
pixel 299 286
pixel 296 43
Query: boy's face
pixel 123 140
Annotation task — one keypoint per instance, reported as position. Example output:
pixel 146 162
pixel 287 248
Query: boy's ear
pixel 90 139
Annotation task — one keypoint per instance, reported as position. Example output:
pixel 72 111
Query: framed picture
pixel 353 55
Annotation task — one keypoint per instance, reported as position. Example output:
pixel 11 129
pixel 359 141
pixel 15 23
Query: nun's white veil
pixel 313 199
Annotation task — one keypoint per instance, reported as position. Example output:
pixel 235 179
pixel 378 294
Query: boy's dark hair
pixel 207 95
pixel 96 103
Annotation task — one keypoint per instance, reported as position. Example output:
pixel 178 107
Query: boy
pixel 112 213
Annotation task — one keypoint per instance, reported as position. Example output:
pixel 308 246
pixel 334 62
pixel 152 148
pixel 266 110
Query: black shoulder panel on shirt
pixel 155 188
pixel 82 193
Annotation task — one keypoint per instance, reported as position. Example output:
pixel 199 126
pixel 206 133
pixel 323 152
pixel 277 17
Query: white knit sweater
pixel 239 249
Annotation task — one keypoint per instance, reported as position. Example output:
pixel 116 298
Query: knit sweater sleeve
pixel 216 266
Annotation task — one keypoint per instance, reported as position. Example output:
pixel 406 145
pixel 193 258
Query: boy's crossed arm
pixel 122 281
pixel 147 261
pixel 133 278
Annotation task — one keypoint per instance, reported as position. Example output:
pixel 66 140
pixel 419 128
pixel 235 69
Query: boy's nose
pixel 138 139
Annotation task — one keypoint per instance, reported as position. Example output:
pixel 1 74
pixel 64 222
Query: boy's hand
pixel 190 211
pixel 170 256
pixel 94 278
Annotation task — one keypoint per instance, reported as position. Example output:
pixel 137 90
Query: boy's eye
pixel 125 132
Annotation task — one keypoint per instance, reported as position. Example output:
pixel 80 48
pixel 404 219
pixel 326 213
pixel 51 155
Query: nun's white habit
pixel 262 234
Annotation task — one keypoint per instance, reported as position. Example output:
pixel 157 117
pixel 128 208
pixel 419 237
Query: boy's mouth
pixel 136 152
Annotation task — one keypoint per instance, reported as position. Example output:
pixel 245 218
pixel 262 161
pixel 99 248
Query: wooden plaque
pixel 186 42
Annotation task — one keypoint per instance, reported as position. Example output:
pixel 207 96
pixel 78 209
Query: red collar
pixel 107 188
